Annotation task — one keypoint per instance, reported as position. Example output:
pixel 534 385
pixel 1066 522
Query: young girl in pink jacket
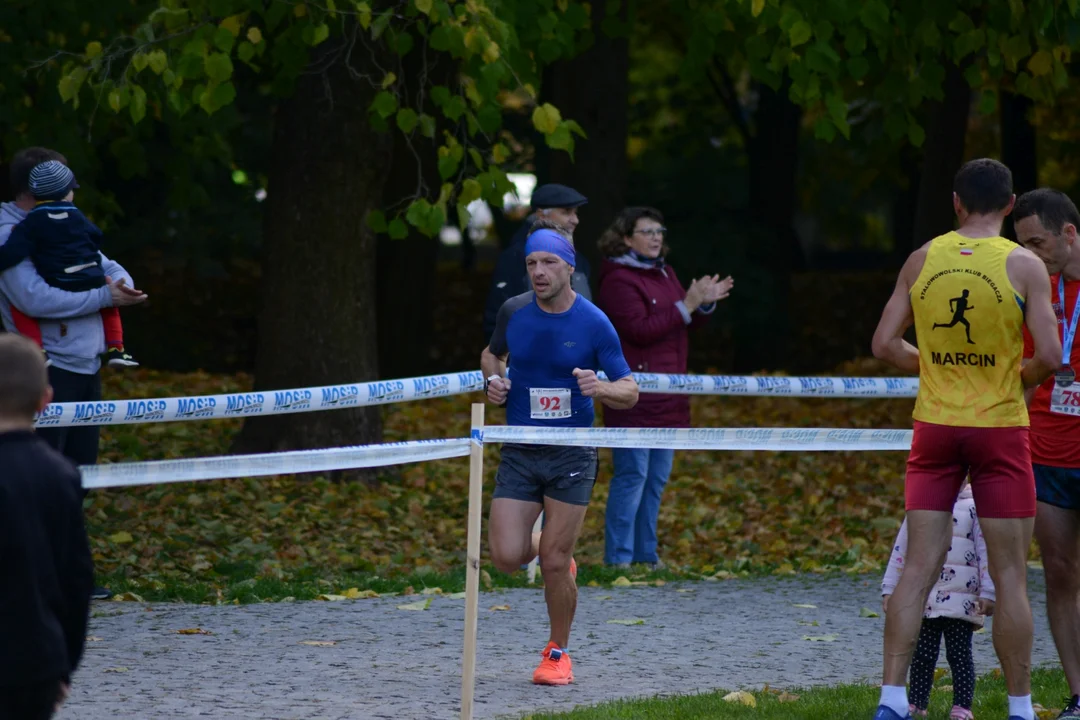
pixel 962 597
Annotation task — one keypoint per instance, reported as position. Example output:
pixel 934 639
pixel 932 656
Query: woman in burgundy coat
pixel 652 314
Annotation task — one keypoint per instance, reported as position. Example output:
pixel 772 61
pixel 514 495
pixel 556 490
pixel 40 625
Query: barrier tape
pixel 367 456
pixel 773 439
pixel 764 386
pixel 284 463
pixel 335 397
pixel 269 402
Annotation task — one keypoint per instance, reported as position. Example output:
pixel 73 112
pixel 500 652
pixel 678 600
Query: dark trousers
pixel 79 444
pixel 35 701
pixel 957 651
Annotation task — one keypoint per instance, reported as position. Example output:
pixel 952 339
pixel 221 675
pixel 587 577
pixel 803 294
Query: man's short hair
pixel 1054 209
pixel 984 186
pixel 26 160
pixel 543 223
pixel 23 377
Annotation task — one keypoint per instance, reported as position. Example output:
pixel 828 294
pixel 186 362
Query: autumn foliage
pixel 723 513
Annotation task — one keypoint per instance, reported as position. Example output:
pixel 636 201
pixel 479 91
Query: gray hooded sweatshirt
pixel 71 328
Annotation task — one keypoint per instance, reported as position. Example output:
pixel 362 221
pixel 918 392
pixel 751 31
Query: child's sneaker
pixel 1072 708
pixel 959 713
pixel 118 357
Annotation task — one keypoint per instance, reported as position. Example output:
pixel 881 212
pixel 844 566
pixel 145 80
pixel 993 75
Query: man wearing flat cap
pixel 554 202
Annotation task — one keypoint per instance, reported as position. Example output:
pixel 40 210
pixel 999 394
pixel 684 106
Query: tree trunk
pixel 762 308
pixel 905 204
pixel 943 154
pixel 317 323
pixel 406 277
pixel 593 89
pixel 407 268
pixel 406 301
pixel 1018 147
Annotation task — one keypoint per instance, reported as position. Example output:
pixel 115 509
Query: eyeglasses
pixel 652 232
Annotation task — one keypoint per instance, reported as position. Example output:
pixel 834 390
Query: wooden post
pixel 472 567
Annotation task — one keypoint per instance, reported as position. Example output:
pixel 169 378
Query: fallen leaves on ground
pixel 357 594
pixel 867 613
pixel 627 621
pixel 193 631
pixel 820 638
pixel 319 643
pixel 421 605
pixel 127 597
pixel 724 515
pixel 741 697
pixel 499 607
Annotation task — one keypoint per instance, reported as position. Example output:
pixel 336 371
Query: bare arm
pixel 888 343
pixel 492 364
pixel 1028 274
pixel 619 395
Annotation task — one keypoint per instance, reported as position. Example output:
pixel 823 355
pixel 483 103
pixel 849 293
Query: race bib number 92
pixel 549 403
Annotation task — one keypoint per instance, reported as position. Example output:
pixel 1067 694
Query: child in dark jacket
pixel 46 573
pixel 66 250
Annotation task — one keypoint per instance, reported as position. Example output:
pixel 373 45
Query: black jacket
pixel 46 574
pixel 512 279
pixel 64 245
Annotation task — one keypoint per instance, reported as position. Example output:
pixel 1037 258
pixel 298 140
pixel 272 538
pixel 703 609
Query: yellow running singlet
pixel 969 325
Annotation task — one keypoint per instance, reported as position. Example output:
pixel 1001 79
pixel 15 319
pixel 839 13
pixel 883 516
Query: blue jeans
pixel 633 504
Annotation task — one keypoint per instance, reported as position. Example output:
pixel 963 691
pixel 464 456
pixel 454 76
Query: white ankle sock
pixel 894 697
pixel 1021 707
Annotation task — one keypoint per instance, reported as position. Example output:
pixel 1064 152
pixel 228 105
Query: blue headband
pixel 546 240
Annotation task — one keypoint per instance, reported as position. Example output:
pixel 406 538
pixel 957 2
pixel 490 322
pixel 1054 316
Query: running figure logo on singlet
pixel 958 306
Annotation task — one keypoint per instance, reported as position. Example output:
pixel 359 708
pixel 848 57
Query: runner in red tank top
pixel 1046 223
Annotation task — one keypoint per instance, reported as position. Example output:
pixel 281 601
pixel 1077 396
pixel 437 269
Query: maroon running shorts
pixel 998 460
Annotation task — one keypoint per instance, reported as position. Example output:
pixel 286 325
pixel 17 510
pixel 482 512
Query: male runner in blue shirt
pixel 555 340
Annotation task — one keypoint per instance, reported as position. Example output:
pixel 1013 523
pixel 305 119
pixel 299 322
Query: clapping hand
pixel 707 290
pixel 717 289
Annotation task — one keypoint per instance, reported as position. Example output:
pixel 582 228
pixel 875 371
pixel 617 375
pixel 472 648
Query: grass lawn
pixel 854 702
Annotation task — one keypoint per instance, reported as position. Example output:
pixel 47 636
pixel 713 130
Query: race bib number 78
pixel 549 403
pixel 1065 400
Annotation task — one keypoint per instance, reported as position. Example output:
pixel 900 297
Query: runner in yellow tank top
pixel 969 320
pixel 968 293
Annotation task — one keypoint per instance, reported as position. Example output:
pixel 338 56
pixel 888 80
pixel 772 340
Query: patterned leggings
pixel 957 652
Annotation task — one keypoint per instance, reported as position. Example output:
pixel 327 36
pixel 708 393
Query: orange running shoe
pixel 555 668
